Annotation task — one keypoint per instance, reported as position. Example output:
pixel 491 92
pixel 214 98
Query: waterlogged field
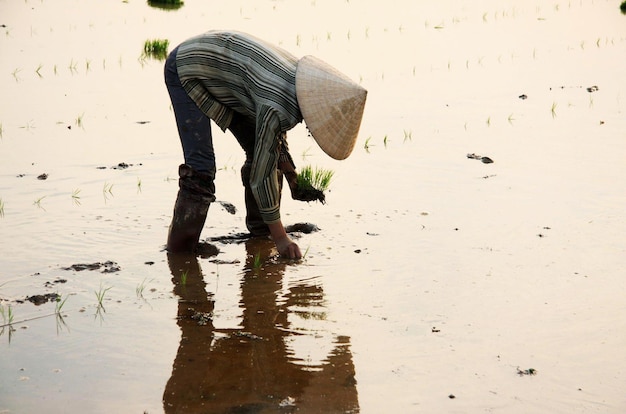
pixel 437 282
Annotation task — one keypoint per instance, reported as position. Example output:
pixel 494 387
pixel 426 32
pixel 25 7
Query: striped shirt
pixel 229 71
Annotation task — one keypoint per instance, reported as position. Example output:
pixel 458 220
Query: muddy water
pixel 437 283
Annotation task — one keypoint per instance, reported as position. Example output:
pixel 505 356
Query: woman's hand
pixel 286 247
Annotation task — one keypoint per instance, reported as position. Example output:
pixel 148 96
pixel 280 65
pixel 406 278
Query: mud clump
pixel 304 192
pixel 229 207
pixel 107 267
pixel 206 250
pixel 119 166
pixel 305 228
pixel 485 160
pixel 529 372
pixel 41 299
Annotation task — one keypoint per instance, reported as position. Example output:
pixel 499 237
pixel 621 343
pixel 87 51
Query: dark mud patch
pixel 107 267
pixel 206 250
pixel 45 298
pixel 292 229
pixel 229 207
pixel 56 281
pixel 119 166
pixel 305 228
pixel 41 177
pixel 526 372
pixel 222 262
pixel 306 192
pixel 485 160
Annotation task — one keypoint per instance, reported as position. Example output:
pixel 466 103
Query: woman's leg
pixel 197 175
pixel 194 127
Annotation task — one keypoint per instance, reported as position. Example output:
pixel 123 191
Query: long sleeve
pixel 264 177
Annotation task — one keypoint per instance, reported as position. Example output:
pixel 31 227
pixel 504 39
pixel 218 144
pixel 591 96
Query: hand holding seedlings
pixel 309 184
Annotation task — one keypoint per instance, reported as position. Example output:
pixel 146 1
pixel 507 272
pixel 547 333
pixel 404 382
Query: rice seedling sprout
pixel 510 119
pixel 76 197
pixel 107 191
pixel 79 121
pixel 408 135
pixel 37 203
pixel 256 264
pixel 72 67
pixel 306 153
pixel 553 109
pixel 100 294
pixel 140 288
pixel 38 70
pixel 29 125
pixel 1 208
pixel 183 278
pixel 15 72
pixel 367 144
pixel 7 315
pixel 59 304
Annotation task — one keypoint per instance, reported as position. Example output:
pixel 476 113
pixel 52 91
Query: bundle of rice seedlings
pixel 156 48
pixel 311 184
pixel 166 4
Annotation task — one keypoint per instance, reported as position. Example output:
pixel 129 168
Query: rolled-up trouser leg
pixel 195 194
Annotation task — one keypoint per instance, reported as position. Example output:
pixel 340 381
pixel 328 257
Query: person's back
pixel 240 72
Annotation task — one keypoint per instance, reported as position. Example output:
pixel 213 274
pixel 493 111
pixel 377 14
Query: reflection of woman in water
pixel 250 369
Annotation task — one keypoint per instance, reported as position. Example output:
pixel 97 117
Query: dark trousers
pixel 194 127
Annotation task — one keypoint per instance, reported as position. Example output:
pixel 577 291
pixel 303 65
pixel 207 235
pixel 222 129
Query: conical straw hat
pixel 331 105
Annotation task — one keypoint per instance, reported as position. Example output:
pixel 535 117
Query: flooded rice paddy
pixel 437 283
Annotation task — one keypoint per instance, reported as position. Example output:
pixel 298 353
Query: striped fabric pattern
pixel 230 71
